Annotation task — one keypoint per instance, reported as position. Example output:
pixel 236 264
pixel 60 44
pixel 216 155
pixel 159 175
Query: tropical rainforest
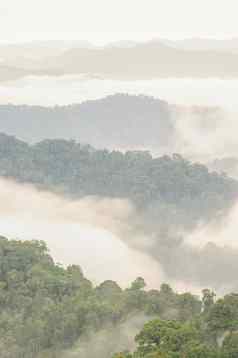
pixel 118 179
pixel 79 170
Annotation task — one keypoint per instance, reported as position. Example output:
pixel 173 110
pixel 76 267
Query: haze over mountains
pixel 154 59
pixel 148 60
pixel 82 178
pixel 119 121
pixel 128 122
pixel 118 179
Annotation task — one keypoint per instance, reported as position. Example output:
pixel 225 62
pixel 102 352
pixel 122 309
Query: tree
pixel 207 299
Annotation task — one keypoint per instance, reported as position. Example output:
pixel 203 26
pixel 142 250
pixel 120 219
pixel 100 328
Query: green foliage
pixel 230 346
pixel 45 308
pixel 212 333
pixel 224 314
pixel 186 190
pixel 166 336
pixel 171 339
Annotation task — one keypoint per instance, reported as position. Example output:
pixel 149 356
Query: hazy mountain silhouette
pixel 154 59
pixel 115 121
pixel 148 60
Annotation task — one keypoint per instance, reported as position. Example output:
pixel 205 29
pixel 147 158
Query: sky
pixel 103 21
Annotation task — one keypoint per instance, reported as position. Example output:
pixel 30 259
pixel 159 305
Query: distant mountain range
pixel 154 59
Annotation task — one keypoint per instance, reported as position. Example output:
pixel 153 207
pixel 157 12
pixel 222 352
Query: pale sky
pixel 102 21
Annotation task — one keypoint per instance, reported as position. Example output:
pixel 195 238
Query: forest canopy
pixel 170 196
pixel 45 310
pixel 80 170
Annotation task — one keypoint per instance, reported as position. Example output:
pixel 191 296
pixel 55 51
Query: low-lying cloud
pixel 205 133
pixel 103 236
pixel 85 232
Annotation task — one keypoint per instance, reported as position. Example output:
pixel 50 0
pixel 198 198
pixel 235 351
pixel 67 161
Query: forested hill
pixel 115 121
pixel 150 183
pixel 47 311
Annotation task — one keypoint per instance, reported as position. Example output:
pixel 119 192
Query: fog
pixel 205 134
pixel 109 340
pixel 222 233
pixel 179 228
pixel 89 233
pixel 84 232
pixel 209 251
pixel 101 236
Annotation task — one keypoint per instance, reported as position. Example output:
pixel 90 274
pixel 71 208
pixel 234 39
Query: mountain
pixel 118 121
pixel 150 183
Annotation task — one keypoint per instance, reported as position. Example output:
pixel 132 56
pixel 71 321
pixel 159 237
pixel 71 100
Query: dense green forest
pixel 188 190
pixel 45 309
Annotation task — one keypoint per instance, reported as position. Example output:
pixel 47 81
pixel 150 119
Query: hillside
pixel 48 311
pixel 118 121
pixel 170 194
pixel 45 308
pixel 81 171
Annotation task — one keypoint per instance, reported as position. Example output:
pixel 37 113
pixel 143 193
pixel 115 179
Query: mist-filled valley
pixel 118 180
pixel 124 187
pixel 151 205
